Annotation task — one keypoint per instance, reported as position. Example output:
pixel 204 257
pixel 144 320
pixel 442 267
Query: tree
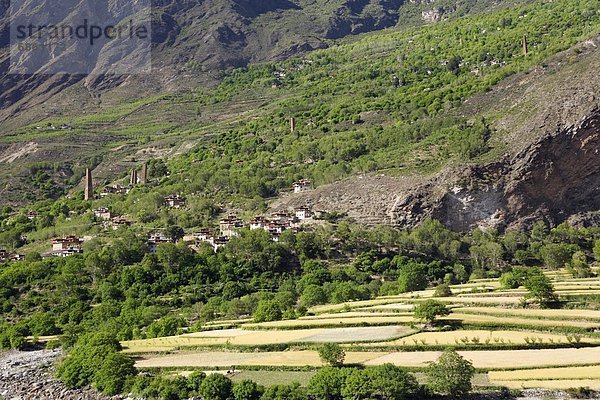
pixel 579 267
pixel 540 289
pixel 247 390
pixel 111 377
pixel 442 290
pixel 555 255
pixel 412 276
pixel 430 309
pixel 313 295
pixel 332 354
pixel 451 374
pixel 216 387
pixel 327 383
pixel 597 249
pixel 384 382
pixel 266 311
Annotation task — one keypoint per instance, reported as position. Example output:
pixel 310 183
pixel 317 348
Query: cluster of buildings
pixel 5 256
pixel 110 221
pixel 66 246
pixel 275 225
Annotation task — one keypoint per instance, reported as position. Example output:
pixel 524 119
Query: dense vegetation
pixel 364 106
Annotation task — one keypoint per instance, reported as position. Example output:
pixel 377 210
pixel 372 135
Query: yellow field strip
pixel 550 384
pixel 482 319
pixel 558 314
pixel 568 373
pixel 492 359
pixel 374 320
pixel 479 338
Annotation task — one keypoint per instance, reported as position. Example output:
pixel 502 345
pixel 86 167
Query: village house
pixel 155 239
pixel 3 255
pixel 303 213
pixel 229 226
pixel 258 223
pixel 108 190
pixel 103 214
pixel 31 215
pixel 219 242
pixel 67 246
pixel 174 201
pixel 17 257
pixel 118 222
pixel 302 186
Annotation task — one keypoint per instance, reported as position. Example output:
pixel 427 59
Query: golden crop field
pixel 516 321
pixel 488 359
pixel 593 384
pixel 590 372
pixel 240 337
pixel 478 338
pixel 373 320
pixel 574 314
pixel 499 359
pixel 219 359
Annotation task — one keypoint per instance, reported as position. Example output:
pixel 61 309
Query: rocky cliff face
pixel 551 170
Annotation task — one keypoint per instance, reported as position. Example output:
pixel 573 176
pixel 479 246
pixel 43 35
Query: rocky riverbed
pixel 29 376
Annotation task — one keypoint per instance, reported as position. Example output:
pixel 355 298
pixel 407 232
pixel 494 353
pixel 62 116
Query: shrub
pixel 216 387
pixel 430 309
pixel 332 354
pixel 451 374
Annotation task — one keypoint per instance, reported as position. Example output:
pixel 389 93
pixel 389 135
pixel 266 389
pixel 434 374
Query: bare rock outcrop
pixel 28 376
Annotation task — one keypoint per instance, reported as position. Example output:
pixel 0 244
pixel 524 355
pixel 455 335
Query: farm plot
pixel 240 337
pixel 221 359
pixel 569 373
pixel 593 384
pixel 499 359
pixel 519 321
pixel 486 359
pixel 479 338
pixel 591 315
pixel 355 321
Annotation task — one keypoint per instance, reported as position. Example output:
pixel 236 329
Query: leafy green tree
pixel 332 354
pixel 555 255
pixel 429 310
pixel 540 289
pixel 412 277
pixel 327 383
pixel 579 267
pixel 312 296
pixel 451 374
pixel 285 392
pixel 216 387
pixel 267 311
pixel 247 390
pixel 114 372
pixel 442 290
pixel 386 382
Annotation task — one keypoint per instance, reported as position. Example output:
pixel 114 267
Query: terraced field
pixel 515 347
